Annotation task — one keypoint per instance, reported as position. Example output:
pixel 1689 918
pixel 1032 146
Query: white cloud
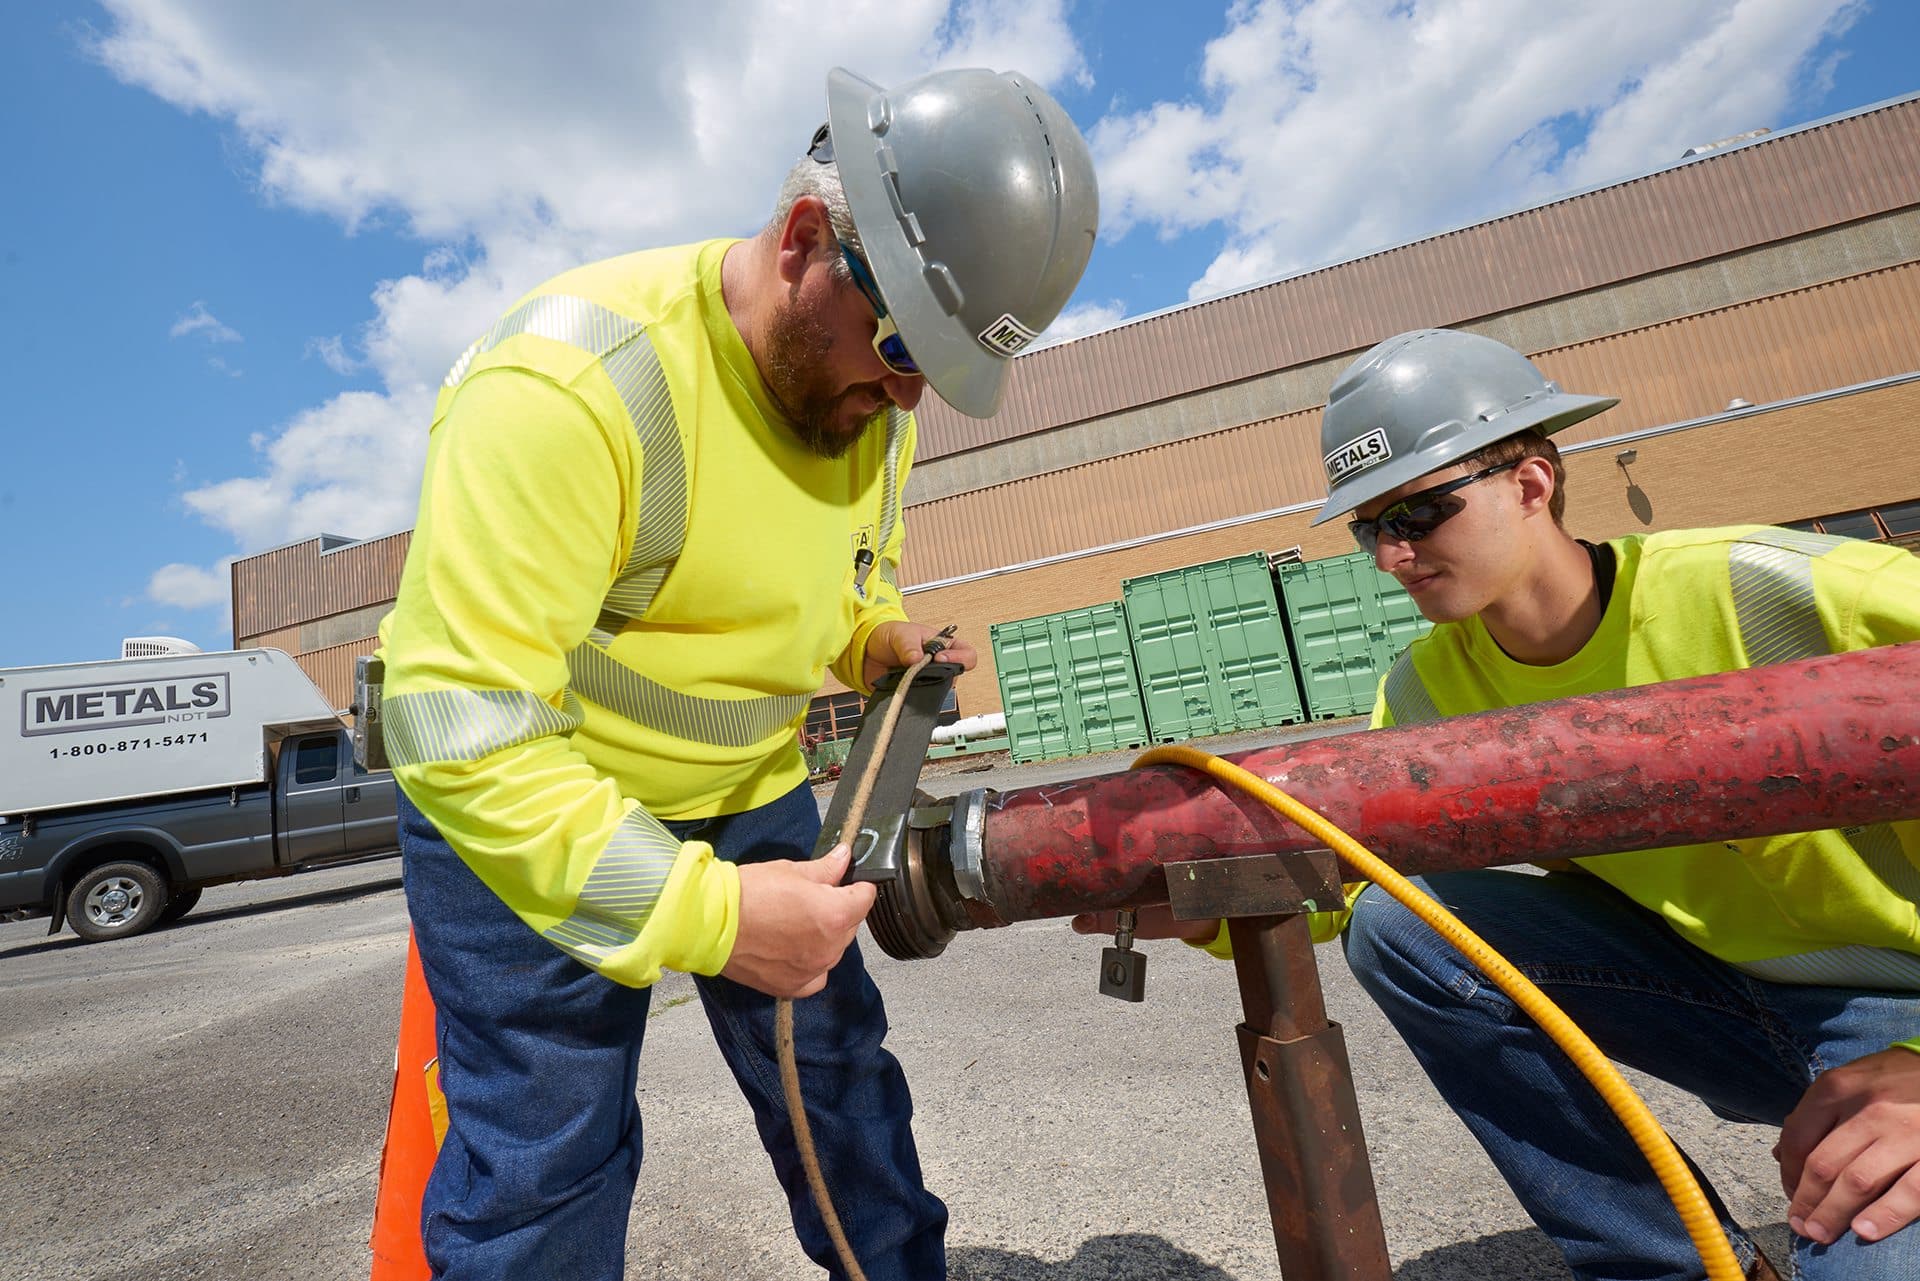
pixel 333 353
pixel 1082 319
pixel 1329 128
pixel 198 320
pixel 349 466
pixel 625 123
pixel 1736 75
pixel 514 141
pixel 190 586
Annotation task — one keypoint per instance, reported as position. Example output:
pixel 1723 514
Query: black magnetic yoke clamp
pixel 878 844
pixel 1123 970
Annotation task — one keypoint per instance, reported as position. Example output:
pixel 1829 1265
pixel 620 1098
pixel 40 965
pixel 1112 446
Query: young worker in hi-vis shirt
pixel 1776 979
pixel 662 500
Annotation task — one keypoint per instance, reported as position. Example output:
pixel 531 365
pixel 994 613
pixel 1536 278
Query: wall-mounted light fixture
pixel 1738 402
pixel 1626 456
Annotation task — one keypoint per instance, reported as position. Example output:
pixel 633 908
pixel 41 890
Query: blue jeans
pixel 1649 999
pixel 539 1056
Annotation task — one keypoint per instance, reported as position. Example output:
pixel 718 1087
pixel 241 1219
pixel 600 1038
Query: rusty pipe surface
pixel 1824 742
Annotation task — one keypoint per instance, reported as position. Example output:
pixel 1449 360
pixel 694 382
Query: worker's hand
pixel 1154 922
pixel 796 920
pixel 1850 1152
pixel 900 644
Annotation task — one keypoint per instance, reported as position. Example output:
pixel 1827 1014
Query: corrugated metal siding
pixel 1226 473
pixel 1811 340
pixel 291 585
pixel 332 668
pixel 1778 188
pixel 286 640
pixel 1832 335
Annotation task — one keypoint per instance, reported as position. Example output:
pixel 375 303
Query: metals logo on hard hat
pixel 1006 335
pixel 1357 455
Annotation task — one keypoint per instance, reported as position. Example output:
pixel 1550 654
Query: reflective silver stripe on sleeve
pixel 620 892
pixel 630 363
pixel 662 529
pixel 560 317
pixel 1854 965
pixel 443 725
pixel 1771 573
pixel 1407 699
pixel 744 722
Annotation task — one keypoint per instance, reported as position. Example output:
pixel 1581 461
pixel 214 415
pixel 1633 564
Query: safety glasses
pixel 1417 515
pixel 887 343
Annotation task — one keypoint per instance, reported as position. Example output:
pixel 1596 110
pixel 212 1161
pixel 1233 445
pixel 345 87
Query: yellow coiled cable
pixel 1716 1251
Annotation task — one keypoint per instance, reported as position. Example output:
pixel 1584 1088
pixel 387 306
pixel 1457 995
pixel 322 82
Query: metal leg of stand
pixel 1306 1120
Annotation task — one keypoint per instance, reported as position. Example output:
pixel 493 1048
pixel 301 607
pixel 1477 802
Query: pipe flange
pixel 966 844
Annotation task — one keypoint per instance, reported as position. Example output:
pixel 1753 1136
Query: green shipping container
pixel 1067 684
pixel 1211 649
pixel 1348 622
pixel 831 752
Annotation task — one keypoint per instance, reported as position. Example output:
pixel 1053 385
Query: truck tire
pixel 178 906
pixel 116 901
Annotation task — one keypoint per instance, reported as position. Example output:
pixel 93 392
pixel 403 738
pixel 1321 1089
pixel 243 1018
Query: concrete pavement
pixel 207 1101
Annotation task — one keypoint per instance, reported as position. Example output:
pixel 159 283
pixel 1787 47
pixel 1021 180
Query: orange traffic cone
pixel 416 1124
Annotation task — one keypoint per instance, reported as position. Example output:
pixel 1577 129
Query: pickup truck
pixel 128 786
pixel 119 869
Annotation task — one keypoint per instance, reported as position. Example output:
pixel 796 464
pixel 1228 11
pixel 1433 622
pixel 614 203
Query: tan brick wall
pixel 1787 465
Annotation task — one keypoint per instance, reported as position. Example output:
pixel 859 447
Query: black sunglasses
pixel 1417 515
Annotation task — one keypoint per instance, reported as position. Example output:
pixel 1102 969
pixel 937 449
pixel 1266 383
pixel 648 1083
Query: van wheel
pixel 178 906
pixel 116 900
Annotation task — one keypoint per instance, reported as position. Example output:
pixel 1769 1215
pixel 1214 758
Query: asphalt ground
pixel 208 1101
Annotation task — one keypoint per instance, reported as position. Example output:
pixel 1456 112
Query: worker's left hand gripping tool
pixel 878 844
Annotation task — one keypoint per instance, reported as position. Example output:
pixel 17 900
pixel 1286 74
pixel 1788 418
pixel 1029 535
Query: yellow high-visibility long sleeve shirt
pixel 626 582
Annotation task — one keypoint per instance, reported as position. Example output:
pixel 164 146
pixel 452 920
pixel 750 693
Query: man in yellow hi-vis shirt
pixel 1776 979
pixel 662 500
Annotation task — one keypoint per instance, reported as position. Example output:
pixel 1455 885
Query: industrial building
pixel 1755 307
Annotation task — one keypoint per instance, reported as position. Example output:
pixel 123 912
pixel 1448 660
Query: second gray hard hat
pixel 974 196
pixel 1424 399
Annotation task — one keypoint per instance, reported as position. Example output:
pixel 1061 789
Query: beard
pixel 798 378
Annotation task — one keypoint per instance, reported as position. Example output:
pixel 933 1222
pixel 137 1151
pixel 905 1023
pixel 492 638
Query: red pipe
pixel 1825 742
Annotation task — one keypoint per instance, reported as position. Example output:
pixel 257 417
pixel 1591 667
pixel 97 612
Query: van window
pixel 316 761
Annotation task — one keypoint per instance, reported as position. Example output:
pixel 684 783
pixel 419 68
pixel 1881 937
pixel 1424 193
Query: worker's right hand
pixel 796 920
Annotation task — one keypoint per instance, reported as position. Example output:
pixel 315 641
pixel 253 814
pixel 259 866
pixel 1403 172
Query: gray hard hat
pixel 974 196
pixel 1422 400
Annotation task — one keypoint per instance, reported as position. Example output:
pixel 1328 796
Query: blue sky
pixel 240 243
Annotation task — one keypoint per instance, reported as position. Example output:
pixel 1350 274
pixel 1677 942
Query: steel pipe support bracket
pixel 1306 1117
pixel 1254 885
pixel 1313 1157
